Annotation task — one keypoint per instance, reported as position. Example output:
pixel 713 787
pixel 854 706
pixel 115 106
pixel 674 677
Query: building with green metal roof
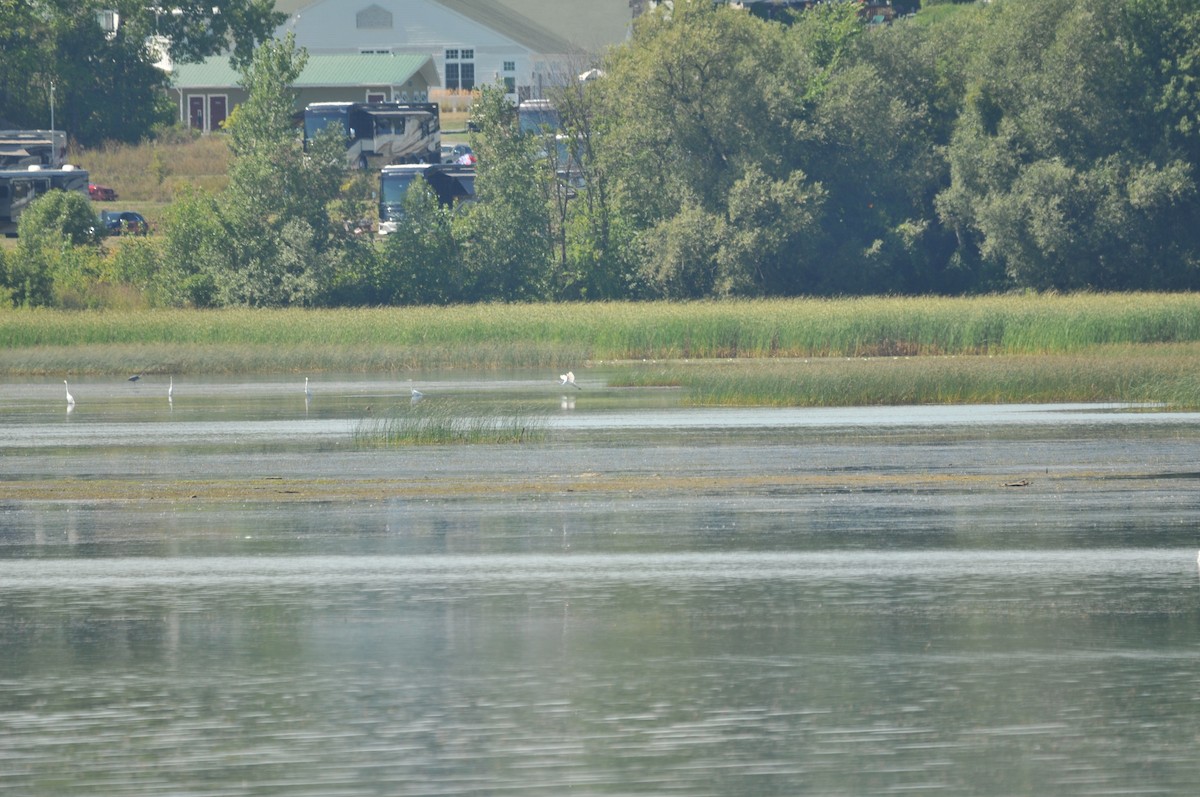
pixel 208 91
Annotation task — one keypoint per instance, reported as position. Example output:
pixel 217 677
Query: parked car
pixel 101 193
pixel 460 154
pixel 124 222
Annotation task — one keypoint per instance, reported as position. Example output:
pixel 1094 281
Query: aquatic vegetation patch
pixel 445 421
pixel 537 335
pixel 1151 374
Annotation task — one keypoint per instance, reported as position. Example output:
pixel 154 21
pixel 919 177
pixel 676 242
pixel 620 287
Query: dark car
pixel 125 222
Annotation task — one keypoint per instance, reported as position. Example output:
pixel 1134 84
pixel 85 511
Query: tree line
pixel 1017 144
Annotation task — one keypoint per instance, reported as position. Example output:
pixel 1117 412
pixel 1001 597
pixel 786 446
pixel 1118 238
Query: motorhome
pixel 21 148
pixel 451 182
pixel 19 187
pixel 379 133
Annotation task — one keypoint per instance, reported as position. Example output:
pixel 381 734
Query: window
pixel 452 77
pixel 452 55
pixel 510 85
pixel 468 55
pixel 466 76
pixel 510 66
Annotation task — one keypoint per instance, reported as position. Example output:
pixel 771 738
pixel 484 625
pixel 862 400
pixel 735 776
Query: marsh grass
pixel 1126 374
pixel 1094 348
pixel 445 421
pixel 536 333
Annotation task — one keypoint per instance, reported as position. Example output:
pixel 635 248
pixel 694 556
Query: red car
pixel 101 193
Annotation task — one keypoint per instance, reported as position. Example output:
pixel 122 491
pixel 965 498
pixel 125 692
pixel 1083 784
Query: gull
pixel 568 379
pixel 70 398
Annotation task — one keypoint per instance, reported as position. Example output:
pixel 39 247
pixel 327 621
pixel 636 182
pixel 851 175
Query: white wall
pixel 418 26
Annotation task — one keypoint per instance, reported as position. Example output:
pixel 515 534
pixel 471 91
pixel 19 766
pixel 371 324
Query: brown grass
pixel 147 177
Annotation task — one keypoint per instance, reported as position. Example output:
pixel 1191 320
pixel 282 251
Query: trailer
pixel 379 133
pixel 21 148
pixel 19 187
pixel 451 182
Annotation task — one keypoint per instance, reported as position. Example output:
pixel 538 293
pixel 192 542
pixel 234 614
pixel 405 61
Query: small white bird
pixel 70 398
pixel 171 390
pixel 307 392
pixel 416 394
pixel 568 379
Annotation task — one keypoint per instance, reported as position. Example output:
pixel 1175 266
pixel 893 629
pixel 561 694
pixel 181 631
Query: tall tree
pixel 102 83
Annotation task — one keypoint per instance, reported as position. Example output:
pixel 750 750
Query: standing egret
pixel 307 392
pixel 171 390
pixel 70 398
pixel 568 379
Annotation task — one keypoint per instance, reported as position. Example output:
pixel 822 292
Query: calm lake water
pixel 655 600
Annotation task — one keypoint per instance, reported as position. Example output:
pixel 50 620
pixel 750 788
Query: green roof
pixel 321 70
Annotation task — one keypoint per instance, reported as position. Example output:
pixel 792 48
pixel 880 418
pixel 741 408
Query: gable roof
pixel 321 70
pixel 492 14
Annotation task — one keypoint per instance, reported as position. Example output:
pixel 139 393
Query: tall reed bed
pixel 541 334
pixel 1110 374
pixel 446 421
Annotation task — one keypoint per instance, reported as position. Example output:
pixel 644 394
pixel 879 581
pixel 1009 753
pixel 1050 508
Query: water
pixel 656 600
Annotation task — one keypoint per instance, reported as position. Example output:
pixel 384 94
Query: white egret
pixel 171 390
pixel 568 379
pixel 307 392
pixel 70 398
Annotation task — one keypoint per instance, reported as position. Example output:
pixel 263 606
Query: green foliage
pixel 1065 169
pixel 420 263
pixel 106 87
pixel 267 240
pixel 57 236
pixel 505 238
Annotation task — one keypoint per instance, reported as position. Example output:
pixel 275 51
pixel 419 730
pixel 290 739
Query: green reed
pixel 538 335
pixel 445 421
pixel 1152 374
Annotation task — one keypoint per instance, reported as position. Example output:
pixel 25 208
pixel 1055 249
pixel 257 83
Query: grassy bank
pixel 863 327
pixel 1132 347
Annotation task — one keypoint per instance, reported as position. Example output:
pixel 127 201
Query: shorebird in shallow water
pixel 568 379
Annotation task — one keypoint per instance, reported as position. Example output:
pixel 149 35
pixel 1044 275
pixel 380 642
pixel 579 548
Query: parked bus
pixel 19 187
pixel 379 133
pixel 538 116
pixel 451 182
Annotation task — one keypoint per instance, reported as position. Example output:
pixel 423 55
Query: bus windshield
pixel 393 187
pixel 317 120
pixel 539 120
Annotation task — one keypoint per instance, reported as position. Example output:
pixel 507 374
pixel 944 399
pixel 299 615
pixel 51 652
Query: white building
pixel 472 42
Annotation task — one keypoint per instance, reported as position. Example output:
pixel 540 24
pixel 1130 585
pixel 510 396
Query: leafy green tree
pixel 505 238
pixel 268 239
pixel 420 263
pixel 1073 162
pixel 50 233
pixel 104 84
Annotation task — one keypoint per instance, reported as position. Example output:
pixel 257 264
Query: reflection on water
pixel 945 637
